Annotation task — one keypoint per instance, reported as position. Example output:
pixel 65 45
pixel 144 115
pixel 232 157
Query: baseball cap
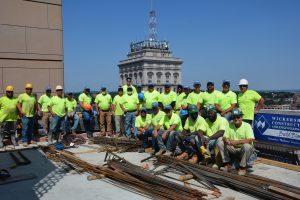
pixel 168 107
pixel 197 83
pixel 154 105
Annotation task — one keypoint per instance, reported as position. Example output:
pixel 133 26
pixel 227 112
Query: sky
pixel 254 39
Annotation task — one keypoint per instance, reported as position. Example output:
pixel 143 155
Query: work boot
pixel 160 152
pixel 242 171
pixel 183 156
pixel 168 153
pixel 194 159
pixel 226 168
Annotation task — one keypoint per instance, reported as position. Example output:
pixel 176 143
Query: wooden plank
pixel 278 164
pixel 14 179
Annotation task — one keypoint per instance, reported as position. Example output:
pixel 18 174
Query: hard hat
pixel 168 107
pixel 59 87
pixel 154 105
pixel 193 108
pixel 183 112
pixel 211 108
pixel 141 96
pixel 237 112
pixel 243 82
pixel 226 82
pixel 48 88
pixel 9 88
pixel 28 85
pixel 197 83
pixel 87 106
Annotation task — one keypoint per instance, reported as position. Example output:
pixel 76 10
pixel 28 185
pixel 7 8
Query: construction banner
pixel 277 128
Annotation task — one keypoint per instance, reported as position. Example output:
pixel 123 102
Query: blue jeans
pixel 88 121
pixel 67 123
pixel 55 125
pixel 148 133
pixel 169 143
pixel 130 122
pixel 27 128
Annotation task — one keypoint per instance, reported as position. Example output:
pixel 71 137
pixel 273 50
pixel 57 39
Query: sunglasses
pixel 28 88
pixel 243 85
pixel 236 117
pixel 9 91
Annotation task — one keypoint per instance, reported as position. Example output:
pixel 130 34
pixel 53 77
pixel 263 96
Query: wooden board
pixel 278 164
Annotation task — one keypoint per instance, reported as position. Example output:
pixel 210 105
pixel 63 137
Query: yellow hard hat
pixel 28 85
pixel 9 88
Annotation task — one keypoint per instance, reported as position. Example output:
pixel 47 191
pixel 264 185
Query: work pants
pixel 10 128
pixel 242 153
pixel 105 117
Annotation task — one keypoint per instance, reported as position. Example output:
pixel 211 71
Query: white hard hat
pixel 59 87
pixel 243 82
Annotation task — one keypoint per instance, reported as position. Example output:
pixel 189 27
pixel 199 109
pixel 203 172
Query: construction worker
pixel 130 106
pixel 237 142
pixel 71 105
pixel 183 113
pixel 171 125
pixel 247 100
pixel 180 96
pixel 118 113
pixel 151 96
pixel 8 115
pixel 27 106
pixel 195 97
pixel 192 136
pixel 129 84
pixel 168 97
pixel 44 101
pixel 103 105
pixel 210 96
pixel 227 101
pixel 143 125
pixel 156 116
pixel 85 101
pixel 57 108
pixel 216 125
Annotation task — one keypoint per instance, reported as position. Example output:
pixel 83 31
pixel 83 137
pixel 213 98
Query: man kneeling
pixel 237 142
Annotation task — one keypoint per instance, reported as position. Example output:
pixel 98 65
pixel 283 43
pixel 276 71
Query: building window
pixel 159 76
pixel 176 75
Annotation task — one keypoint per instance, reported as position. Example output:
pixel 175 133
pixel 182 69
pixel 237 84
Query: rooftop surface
pixel 54 181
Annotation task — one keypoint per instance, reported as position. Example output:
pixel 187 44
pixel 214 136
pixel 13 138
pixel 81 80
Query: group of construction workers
pixel 190 124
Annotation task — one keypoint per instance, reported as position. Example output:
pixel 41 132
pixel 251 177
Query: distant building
pixel 31 44
pixel 151 62
pixel 296 102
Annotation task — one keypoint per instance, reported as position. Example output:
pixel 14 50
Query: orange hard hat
pixel 87 106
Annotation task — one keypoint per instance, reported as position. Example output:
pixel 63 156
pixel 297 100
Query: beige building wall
pixel 31 44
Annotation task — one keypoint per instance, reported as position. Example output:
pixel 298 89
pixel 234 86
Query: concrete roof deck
pixel 55 182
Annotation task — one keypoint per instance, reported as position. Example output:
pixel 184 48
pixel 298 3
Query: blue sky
pixel 255 39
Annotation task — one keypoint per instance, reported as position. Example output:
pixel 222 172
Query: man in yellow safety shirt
pixel 8 115
pixel 27 106
pixel 103 105
pixel 247 100
pixel 57 108
pixel 237 142
pixel 227 101
pixel 43 107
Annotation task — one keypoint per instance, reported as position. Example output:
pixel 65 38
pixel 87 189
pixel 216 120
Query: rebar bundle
pixel 130 177
pixel 260 187
pixel 120 144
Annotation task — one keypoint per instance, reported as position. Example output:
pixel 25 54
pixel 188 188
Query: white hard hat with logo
pixel 243 82
pixel 59 87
